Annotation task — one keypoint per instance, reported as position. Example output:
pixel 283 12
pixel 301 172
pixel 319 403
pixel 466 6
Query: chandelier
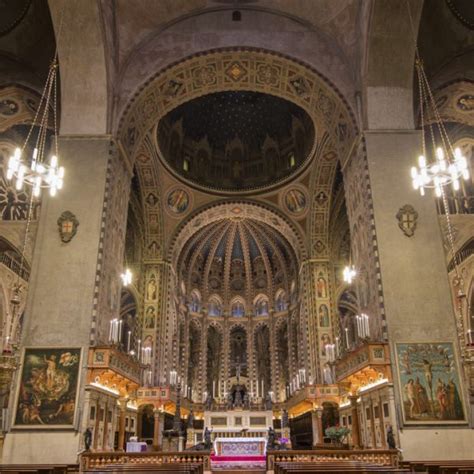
pixel 34 171
pixel 349 273
pixel 442 165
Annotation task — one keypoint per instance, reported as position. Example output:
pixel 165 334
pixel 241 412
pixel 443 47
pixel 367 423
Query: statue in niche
pixel 151 289
pixel 321 288
pixel 238 396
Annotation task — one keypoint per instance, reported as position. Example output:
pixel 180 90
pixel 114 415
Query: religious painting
pixel 323 316
pixel 321 287
pixel 151 289
pixel 178 201
pixel 47 396
pixel 150 317
pixel 430 384
pixel 295 201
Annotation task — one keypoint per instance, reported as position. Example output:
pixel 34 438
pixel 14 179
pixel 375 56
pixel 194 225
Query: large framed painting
pixel 48 389
pixel 430 384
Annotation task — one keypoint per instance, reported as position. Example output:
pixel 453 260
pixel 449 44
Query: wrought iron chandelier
pixel 35 171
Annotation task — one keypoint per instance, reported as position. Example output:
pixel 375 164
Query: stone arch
pixel 242 69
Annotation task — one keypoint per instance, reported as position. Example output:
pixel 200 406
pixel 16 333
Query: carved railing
pixel 386 457
pixel 97 460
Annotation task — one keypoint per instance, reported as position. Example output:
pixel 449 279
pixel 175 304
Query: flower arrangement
pixel 337 433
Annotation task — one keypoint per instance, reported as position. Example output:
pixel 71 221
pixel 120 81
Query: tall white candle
pixel 213 389
pixel 263 390
pixel 346 331
pixel 129 335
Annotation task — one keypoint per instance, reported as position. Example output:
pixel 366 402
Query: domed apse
pixel 236 140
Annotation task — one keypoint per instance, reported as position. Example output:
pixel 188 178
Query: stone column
pixel 355 422
pixel 317 426
pixel 157 428
pixel 58 298
pixel 121 424
pixel 418 306
pixel 372 423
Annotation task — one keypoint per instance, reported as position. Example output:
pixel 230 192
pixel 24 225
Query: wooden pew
pixel 39 468
pixel 333 466
pixel 440 467
pixel 189 468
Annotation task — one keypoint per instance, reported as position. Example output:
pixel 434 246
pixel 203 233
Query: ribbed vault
pixel 238 257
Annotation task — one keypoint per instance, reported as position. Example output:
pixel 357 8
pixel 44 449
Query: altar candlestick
pixel 129 335
pixel 346 331
pixel 119 331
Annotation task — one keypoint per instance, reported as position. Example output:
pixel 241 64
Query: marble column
pixel 157 428
pixel 121 424
pixel 317 426
pixel 355 422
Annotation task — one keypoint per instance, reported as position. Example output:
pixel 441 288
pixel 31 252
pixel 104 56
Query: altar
pixel 240 447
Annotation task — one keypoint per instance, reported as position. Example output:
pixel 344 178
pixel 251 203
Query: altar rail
pixel 385 457
pixel 89 460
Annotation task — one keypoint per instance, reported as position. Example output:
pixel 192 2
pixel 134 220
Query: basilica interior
pixel 236 233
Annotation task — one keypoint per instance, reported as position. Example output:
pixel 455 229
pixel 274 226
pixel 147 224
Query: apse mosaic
pixel 430 385
pixel 47 395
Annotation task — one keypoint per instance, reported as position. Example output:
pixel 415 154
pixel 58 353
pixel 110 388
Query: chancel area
pixel 236 235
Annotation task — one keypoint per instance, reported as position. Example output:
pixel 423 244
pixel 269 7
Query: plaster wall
pixel 63 274
pixel 416 292
pixel 437 443
pixel 44 447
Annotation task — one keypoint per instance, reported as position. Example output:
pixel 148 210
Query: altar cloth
pixel 240 446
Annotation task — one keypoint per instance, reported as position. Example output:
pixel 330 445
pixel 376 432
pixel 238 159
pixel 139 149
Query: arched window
pixel 237 309
pixel 280 301
pixel 261 306
pixel 214 307
pixel 195 305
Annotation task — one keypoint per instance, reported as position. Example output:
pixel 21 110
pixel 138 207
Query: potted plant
pixel 337 434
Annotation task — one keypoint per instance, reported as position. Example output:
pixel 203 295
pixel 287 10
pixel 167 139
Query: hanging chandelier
pixel 34 171
pixel 442 165
pixel 126 277
pixel 349 273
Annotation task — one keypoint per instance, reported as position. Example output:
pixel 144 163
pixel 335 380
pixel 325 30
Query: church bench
pixel 191 468
pixel 442 466
pixel 333 466
pixel 39 468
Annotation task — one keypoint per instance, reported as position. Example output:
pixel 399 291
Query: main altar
pixel 240 446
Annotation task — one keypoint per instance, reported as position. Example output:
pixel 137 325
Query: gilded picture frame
pixel 47 390
pixel 431 390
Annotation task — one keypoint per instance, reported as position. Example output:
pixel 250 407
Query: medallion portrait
pixel 430 385
pixel 295 201
pixel 47 395
pixel 178 201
